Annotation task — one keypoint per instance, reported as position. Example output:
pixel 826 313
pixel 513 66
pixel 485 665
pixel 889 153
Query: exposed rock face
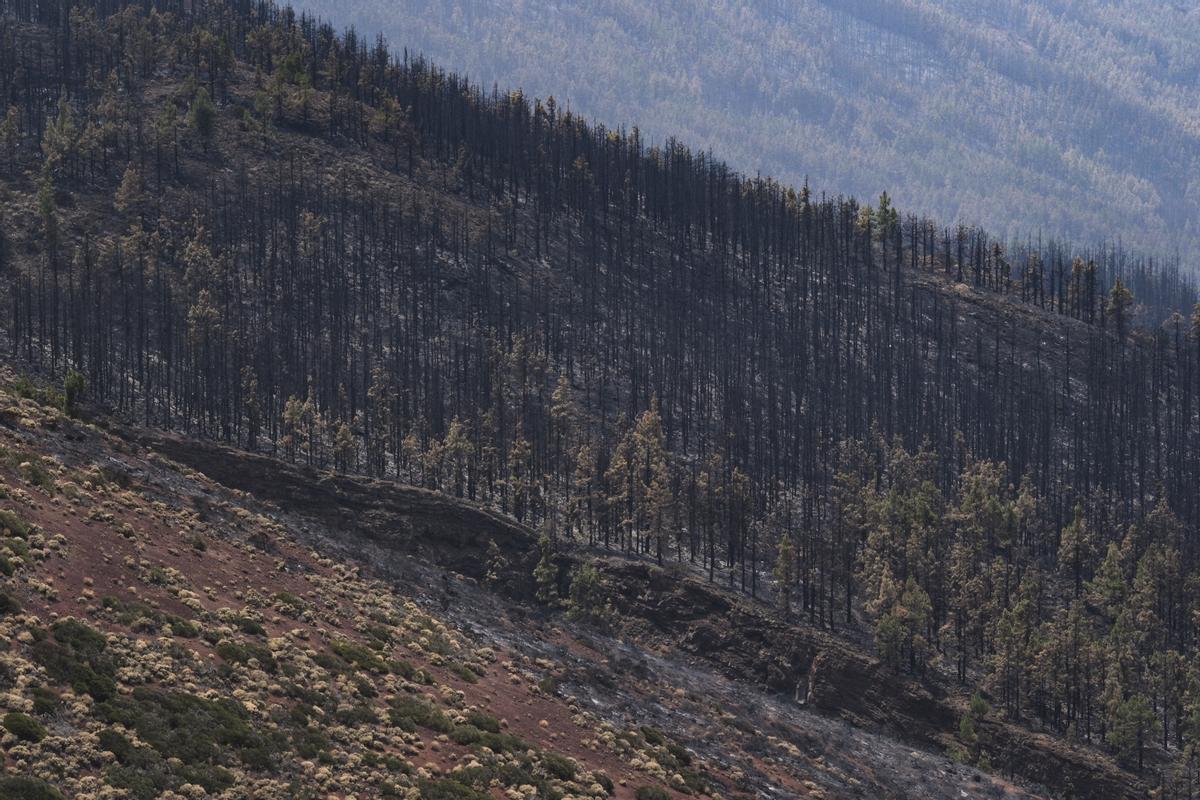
pixel 449 532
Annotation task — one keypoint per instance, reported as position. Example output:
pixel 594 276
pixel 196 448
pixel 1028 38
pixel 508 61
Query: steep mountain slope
pixel 965 472
pixel 187 630
pixel 259 637
pixel 1074 119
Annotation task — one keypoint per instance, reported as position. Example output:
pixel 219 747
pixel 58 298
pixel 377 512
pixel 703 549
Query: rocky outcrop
pixel 451 533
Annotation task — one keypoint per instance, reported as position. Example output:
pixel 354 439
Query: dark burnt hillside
pixel 226 221
pixel 336 609
pixel 788 685
pixel 394 249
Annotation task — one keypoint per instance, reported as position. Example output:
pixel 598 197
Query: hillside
pixel 216 650
pixel 1072 119
pixel 923 494
pixel 290 633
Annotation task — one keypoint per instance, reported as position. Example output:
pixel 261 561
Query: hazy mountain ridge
pixel 1069 119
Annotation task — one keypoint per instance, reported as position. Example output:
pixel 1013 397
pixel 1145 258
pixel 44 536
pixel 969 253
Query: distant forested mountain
pixel 1069 118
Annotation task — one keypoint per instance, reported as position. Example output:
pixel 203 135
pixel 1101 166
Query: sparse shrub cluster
pixel 47 396
pixel 361 656
pixel 139 616
pixel 407 671
pixel 410 712
pixel 243 652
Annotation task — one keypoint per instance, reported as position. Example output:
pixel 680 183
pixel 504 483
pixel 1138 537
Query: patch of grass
pixel 380 634
pixel 24 727
pixel 157 576
pixel 674 758
pixel 145 775
pixel 439 643
pixel 512 774
pixel 680 755
pixel 134 614
pixel 364 688
pixel 307 695
pixel 395 763
pixel 112 474
pixel 298 791
pixel 390 762
pixel 21 788
pixel 330 662
pixel 26 388
pixel 503 742
pixel 33 468
pixel 466 735
pixel 469 735
pixel 17 546
pixel 693 780
pixel 146 779
pixel 77 657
